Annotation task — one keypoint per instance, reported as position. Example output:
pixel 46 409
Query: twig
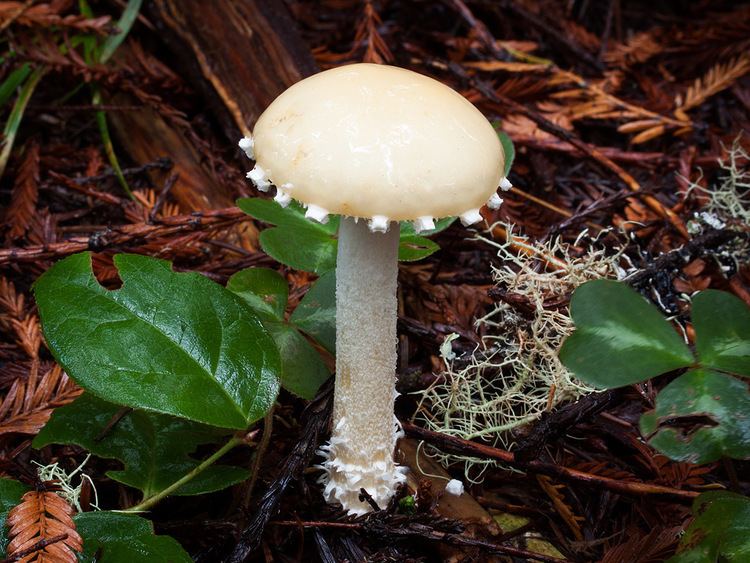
pixel 317 416
pixel 260 451
pixel 127 235
pixel 162 197
pixel 465 447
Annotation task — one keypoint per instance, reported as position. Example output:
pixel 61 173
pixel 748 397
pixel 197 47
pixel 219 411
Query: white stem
pixel 360 453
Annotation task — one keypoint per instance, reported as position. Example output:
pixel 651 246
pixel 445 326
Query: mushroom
pixel 378 145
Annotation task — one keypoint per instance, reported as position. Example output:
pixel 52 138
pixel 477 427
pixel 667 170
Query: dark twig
pixel 127 235
pixel 452 444
pixel 162 197
pixel 316 420
pixel 675 259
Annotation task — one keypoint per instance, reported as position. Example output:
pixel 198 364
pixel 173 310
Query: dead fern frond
pixel 367 33
pixel 637 49
pixel 29 402
pixel 718 78
pixel 43 515
pixel 555 493
pixel 48 15
pixel 24 195
pixel 139 211
pixel 15 318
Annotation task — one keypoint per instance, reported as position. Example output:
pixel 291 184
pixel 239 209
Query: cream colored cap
pixel 379 142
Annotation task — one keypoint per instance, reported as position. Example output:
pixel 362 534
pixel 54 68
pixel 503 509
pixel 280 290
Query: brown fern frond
pixel 638 49
pixel 554 492
pixel 48 15
pixel 367 33
pixel 25 193
pixel 29 402
pixel 139 211
pixel 14 318
pixel 41 516
pixel 719 77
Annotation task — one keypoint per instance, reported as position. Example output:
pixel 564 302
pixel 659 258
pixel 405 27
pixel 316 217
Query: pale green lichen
pixel 64 480
pixel 515 375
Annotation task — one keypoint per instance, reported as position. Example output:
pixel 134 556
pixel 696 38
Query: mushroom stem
pixel 360 453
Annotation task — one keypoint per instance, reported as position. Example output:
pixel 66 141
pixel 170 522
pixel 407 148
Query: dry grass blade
pixel 718 78
pixel 40 516
pixel 25 193
pixel 29 402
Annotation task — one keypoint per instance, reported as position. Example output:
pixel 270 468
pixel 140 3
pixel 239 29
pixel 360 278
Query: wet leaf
pixel 111 537
pixel 700 417
pixel 175 343
pixel 620 338
pixel 316 313
pixel 719 532
pixel 266 291
pixel 154 448
pixel 722 331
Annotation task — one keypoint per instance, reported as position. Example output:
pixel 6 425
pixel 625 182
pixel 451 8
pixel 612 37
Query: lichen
pixel 515 375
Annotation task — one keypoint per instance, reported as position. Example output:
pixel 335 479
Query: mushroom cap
pixel 368 140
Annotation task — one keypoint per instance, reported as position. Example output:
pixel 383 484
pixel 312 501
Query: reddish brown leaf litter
pixel 617 112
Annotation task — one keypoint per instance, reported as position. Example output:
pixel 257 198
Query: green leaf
pixel 303 370
pixel 722 331
pixel 414 247
pixel 508 149
pixel 302 249
pixel 316 313
pixel 719 532
pixel 311 247
pixel 112 537
pixel 297 242
pixel 155 448
pixel 11 492
pixel 265 291
pixel 175 343
pixel 620 338
pixel 700 417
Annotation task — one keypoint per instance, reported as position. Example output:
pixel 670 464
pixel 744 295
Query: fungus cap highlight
pixel 369 140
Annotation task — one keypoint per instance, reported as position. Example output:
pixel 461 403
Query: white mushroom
pixel 247 144
pixel 495 201
pixel 386 145
pixel 505 184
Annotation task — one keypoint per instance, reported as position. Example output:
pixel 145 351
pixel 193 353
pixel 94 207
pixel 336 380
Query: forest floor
pixel 624 117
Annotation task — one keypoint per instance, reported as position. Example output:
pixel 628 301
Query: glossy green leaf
pixel 414 247
pixel 720 531
pixel 508 149
pixel 154 448
pixel 620 338
pixel 316 313
pixel 11 492
pixel 722 331
pixel 265 291
pixel 700 417
pixel 175 343
pixel 114 537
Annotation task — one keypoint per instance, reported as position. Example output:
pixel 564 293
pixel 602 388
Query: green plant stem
pixel 149 502
pixel 16 114
pixel 109 149
pixel 265 439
